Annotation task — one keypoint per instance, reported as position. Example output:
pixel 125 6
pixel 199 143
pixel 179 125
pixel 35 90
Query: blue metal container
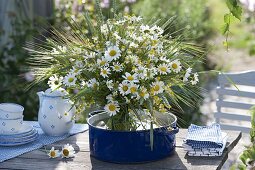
pixel 131 146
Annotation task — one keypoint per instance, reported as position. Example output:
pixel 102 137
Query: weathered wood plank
pixel 243 78
pixel 179 160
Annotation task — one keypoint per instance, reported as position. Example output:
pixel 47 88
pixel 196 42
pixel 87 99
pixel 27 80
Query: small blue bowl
pixel 131 146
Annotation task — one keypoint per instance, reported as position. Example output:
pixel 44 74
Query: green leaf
pixel 227 18
pixel 237 12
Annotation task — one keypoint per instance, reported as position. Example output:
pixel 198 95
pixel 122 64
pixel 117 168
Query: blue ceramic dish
pixel 131 146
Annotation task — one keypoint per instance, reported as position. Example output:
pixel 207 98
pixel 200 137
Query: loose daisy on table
pixel 112 53
pixel 112 108
pixel 55 82
pixel 54 153
pixel 70 79
pixel 67 151
pixel 176 66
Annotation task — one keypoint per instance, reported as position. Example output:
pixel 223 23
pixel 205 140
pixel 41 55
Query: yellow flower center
pixel 163 69
pixel 146 31
pixel 52 154
pixel 65 152
pixel 112 53
pixel 142 94
pixel 116 67
pixel 104 71
pixel 174 66
pixel 71 79
pixel 130 78
pixel 56 82
pixel 94 85
pixel 124 88
pixel 102 62
pixel 112 107
pixel 156 87
pixel 133 89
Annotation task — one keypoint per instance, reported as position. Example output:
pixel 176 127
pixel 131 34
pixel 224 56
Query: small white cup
pixel 11 111
pixel 10 126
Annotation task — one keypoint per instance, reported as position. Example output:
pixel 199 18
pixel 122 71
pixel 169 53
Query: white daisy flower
pixel 67 151
pixel 145 29
pixel 195 79
pixel 54 153
pixel 157 29
pixel 105 71
pixel 130 78
pixel 112 53
pixel 157 87
pixel 117 67
pixel 124 88
pixel 109 84
pixel 116 35
pixel 109 98
pixel 133 88
pixel 187 74
pixel 105 29
pixel 112 108
pixel 70 79
pixel 93 83
pixel 75 71
pixel 55 82
pixel 79 64
pixel 143 93
pixel 176 66
pixel 163 69
pixel 102 62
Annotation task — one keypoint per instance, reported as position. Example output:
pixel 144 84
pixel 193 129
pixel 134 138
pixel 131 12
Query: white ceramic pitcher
pixel 56 114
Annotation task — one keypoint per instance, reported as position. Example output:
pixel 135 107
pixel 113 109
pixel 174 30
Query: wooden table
pixel 38 160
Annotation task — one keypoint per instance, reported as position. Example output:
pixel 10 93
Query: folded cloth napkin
pixel 205 140
pixel 204 136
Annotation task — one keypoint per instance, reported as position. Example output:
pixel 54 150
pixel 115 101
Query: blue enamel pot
pixel 131 146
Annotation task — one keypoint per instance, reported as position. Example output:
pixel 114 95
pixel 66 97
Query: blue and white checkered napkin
pixel 204 136
pixel 14 151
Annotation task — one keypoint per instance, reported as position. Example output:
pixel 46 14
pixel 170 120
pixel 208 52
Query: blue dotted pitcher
pixel 56 114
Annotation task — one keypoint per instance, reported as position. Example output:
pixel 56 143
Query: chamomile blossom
pixel 105 71
pixel 187 74
pixel 93 83
pixel 124 88
pixel 176 66
pixel 163 69
pixel 133 88
pixel 105 29
pixel 67 151
pixel 130 77
pixel 70 80
pixel 79 64
pixel 109 98
pixel 143 93
pixel 109 84
pixel 102 62
pixel 145 29
pixel 157 87
pixel 117 67
pixel 112 53
pixel 75 71
pixel 55 81
pixel 112 108
pixel 54 153
pixel 195 79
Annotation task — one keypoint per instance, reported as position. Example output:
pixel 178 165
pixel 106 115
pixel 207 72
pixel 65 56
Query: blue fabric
pixel 11 152
pixel 204 136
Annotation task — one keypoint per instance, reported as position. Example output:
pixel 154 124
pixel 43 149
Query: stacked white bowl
pixel 11 118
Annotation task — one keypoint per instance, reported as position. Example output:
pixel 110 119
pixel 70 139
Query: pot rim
pixel 132 131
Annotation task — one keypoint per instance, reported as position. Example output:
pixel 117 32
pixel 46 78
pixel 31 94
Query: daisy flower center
pixel 125 88
pixel 65 152
pixel 104 71
pixel 163 69
pixel 56 82
pixel 71 79
pixel 112 107
pixel 52 154
pixel 146 31
pixel 112 53
pixel 116 67
pixel 156 87
pixel 130 78
pixel 133 89
pixel 102 63
pixel 174 65
pixel 142 94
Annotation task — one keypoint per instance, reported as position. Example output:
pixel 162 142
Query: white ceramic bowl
pixel 9 126
pixel 11 111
